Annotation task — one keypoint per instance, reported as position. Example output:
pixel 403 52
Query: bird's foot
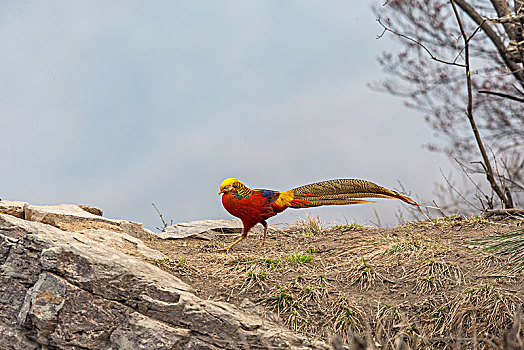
pixel 259 245
pixel 226 249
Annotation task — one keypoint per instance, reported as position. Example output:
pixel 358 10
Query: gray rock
pixel 143 332
pixel 15 208
pixel 89 287
pixel 119 241
pixel 71 217
pixel 92 210
pixel 207 229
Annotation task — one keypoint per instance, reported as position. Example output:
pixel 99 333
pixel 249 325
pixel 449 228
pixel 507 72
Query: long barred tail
pixel 341 192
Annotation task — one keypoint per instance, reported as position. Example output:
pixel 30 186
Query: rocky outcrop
pixel 71 279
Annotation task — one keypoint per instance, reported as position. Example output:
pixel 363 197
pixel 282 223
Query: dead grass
pixel 426 282
pixel 479 309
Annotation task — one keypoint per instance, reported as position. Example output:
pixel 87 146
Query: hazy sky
pixel 119 104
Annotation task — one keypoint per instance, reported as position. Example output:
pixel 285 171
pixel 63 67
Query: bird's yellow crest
pixel 235 184
pixel 228 182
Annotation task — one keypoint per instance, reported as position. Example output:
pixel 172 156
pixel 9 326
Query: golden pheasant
pixel 256 206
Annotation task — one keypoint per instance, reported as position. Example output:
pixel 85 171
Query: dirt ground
pixel 429 282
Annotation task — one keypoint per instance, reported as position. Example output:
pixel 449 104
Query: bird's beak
pixel 221 191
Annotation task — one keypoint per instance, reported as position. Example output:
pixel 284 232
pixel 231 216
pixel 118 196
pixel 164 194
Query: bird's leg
pixel 226 249
pixel 264 223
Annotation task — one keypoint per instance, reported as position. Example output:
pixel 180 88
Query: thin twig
pixel 468 39
pixel 455 190
pixel 469 177
pixel 161 218
pixel 378 224
pixel 439 209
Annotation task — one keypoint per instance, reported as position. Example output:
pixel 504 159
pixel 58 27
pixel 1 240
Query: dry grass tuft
pixel 346 227
pixel 434 274
pixel 345 318
pixel 391 322
pixel 365 275
pixel 491 262
pixel 256 277
pixel 474 318
pixel 310 226
pixel 280 300
pixel 404 247
pixel 480 309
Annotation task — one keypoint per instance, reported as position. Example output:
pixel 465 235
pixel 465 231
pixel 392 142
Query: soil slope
pixel 428 282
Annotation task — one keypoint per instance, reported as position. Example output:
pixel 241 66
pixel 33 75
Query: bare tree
pixel 461 63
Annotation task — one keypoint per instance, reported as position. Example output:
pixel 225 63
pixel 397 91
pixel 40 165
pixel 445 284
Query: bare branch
pixel 469 113
pixel 506 19
pixel 433 57
pixel 495 39
pixel 500 94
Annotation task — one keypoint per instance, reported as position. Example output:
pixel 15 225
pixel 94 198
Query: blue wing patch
pixel 270 195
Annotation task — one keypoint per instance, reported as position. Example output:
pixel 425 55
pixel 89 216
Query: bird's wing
pixel 271 195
